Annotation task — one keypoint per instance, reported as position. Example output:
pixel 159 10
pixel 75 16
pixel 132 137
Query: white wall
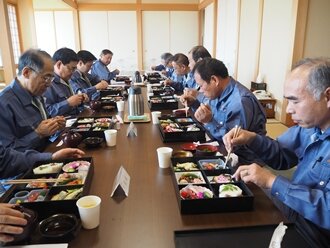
pixel 123 39
pixel 208 27
pixel 249 41
pixel 276 50
pixel 167 31
pixel 183 31
pixel 317 42
pixel 50 5
pixel 91 38
pixel 227 34
pixel 156 36
pixel 54 30
pixel 65 36
pixel 113 30
pixel 45 31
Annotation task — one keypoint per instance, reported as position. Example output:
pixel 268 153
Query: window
pixel 12 16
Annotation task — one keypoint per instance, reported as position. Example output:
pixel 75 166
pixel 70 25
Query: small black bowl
pixel 92 142
pixel 60 227
pixel 206 150
pixel 31 217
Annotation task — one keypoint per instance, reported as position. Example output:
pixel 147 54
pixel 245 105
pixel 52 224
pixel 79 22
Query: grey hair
pixel 33 58
pixel 319 75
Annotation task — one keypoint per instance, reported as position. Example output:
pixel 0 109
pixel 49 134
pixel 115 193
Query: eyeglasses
pixel 47 78
pixel 71 68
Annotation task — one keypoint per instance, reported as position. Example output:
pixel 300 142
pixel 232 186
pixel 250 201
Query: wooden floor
pixel 274 129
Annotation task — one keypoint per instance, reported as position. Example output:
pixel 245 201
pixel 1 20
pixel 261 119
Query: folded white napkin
pixel 278 236
pixel 213 143
pixel 70 122
pixel 233 159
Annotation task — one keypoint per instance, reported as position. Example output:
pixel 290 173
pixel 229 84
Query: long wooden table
pixel 149 216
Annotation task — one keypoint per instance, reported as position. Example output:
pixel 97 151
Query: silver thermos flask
pixel 135 101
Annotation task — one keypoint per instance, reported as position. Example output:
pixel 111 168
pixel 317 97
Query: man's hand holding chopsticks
pixel 243 137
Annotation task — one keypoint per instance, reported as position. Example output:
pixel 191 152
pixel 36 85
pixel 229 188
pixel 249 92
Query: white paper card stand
pixel 131 130
pixel 121 182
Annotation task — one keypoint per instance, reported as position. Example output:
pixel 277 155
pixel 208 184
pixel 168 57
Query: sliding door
pixel 113 30
pixel 208 27
pixel 167 31
pixel 123 39
pixel 156 36
pixel 94 31
pixel 227 34
pixel 183 31
pixel 54 30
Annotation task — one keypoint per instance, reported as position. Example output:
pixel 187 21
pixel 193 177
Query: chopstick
pixel 37 180
pixel 237 129
pixel 185 103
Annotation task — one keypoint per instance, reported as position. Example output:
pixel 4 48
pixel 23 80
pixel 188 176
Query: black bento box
pixel 113 91
pixel 44 206
pixel 190 130
pixel 215 204
pixel 162 91
pixel 109 102
pixel 92 126
pixel 154 77
pixel 40 197
pixel 162 103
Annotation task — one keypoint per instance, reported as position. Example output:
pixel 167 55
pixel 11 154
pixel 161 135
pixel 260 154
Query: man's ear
pixel 215 79
pixel 327 96
pixel 26 72
pixel 58 64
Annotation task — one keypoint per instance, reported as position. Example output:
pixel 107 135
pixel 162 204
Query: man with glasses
pixel 60 98
pixel 23 116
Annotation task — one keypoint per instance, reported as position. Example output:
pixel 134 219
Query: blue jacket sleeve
pixel 178 86
pixel 277 156
pixel 312 203
pixel 102 71
pixel 77 88
pixel 14 163
pixel 55 108
pixel 160 67
pixel 94 79
pixel 308 191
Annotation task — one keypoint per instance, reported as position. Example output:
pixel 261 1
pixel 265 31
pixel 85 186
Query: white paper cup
pixel 149 88
pixel 120 105
pixel 89 211
pixel 110 137
pixel 150 94
pixel 154 116
pixel 164 156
